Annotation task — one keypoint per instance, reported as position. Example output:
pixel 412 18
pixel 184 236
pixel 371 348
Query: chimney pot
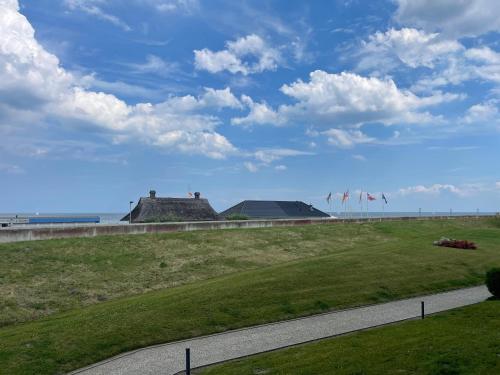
pixel 197 195
pixel 152 194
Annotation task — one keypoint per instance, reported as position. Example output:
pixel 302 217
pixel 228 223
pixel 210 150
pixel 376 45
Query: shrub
pixel 236 217
pixel 493 281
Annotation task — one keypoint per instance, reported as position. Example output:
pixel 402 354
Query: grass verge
pixel 462 341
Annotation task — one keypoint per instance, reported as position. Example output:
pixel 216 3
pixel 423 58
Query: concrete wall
pixel 17 234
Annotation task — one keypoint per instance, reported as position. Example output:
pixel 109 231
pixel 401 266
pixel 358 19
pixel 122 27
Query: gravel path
pixel 169 358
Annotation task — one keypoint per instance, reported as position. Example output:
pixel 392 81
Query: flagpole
pixel 361 204
pixel 345 208
pixel 367 201
pixel 383 208
pixel 333 206
pixel 367 205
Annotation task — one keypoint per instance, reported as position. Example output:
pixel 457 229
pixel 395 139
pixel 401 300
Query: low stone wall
pixel 17 234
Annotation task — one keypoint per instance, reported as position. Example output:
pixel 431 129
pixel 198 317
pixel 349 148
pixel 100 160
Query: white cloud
pixel 34 88
pixel 486 63
pixel 347 138
pixel 351 99
pixel 155 65
pixel 94 8
pixel 118 87
pixel 359 157
pixel 487 112
pixel 251 167
pixel 483 54
pixel 171 6
pixel 472 64
pixel 347 99
pixel 436 189
pixel 272 154
pixel 260 114
pixel 432 189
pixel 11 169
pixel 497 184
pixel 450 61
pixel 456 18
pixel 411 46
pixel 233 57
pixel 265 157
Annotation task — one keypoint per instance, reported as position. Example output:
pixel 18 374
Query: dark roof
pixel 273 210
pixel 171 209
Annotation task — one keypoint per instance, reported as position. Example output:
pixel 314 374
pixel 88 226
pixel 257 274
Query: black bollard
pixel 423 309
pixel 188 361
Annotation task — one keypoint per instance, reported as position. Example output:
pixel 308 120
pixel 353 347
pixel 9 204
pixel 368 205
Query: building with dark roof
pixel 154 210
pixel 273 210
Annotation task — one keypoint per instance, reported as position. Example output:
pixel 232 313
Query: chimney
pixel 152 194
pixel 197 195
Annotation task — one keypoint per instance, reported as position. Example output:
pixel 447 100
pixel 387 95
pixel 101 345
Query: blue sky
pixel 102 100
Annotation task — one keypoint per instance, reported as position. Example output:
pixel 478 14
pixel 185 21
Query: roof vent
pixel 152 194
pixel 197 195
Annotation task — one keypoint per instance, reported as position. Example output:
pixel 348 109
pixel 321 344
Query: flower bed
pixel 458 244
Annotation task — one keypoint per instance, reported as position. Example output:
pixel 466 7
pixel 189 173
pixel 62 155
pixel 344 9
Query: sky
pixel 103 100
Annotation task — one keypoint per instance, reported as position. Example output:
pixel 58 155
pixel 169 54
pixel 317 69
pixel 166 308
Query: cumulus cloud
pixel 456 18
pixel 260 114
pixel 94 8
pixel 237 56
pixel 450 62
pixel 347 99
pixel 33 86
pixel 281 167
pixel 410 46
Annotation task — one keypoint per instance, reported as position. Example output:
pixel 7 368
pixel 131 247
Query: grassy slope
pixel 463 341
pixel 359 275
pixel 44 277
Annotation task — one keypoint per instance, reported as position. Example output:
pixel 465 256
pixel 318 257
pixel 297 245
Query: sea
pixel 114 218
pixel 357 215
pixel 105 218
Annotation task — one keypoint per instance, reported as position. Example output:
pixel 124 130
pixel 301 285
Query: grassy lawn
pixel 45 277
pixel 388 260
pixel 463 341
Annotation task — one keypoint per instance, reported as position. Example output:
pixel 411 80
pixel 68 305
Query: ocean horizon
pixel 114 217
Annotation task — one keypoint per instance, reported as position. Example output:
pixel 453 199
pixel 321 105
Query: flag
pixel 190 195
pixel 384 198
pixel 360 196
pixel 346 196
pixel 370 197
pixel 329 197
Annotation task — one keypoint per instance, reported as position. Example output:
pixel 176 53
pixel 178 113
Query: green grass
pixel 462 341
pixel 386 261
pixel 45 277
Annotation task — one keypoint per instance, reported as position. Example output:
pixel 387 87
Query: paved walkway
pixel 169 358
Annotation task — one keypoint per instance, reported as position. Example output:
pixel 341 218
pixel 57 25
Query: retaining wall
pixel 17 234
